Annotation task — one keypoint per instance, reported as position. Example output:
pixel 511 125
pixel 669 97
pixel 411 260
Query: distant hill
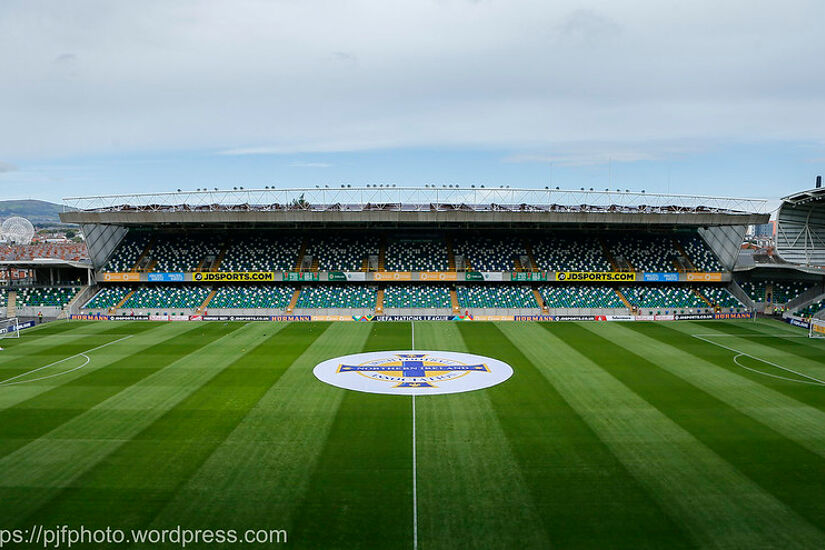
pixel 37 212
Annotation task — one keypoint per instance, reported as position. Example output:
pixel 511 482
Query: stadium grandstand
pixel 383 252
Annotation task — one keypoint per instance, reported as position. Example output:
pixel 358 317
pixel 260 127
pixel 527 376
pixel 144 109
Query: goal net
pixel 817 328
pixel 9 328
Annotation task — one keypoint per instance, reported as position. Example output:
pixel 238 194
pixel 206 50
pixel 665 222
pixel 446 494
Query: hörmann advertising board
pixel 595 276
pixel 233 276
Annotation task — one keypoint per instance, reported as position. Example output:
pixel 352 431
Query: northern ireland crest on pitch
pixel 413 372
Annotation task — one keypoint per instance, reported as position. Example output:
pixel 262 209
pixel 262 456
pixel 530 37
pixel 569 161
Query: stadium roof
pixel 800 229
pixel 390 204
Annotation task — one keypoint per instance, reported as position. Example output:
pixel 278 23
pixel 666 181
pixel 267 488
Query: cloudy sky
pixel 711 97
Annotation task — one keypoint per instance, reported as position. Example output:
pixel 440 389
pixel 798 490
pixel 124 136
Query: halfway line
pixel 415 468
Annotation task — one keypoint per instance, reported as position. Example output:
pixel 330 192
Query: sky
pixel 707 97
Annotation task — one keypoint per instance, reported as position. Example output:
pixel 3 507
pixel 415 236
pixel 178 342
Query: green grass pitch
pixel 608 435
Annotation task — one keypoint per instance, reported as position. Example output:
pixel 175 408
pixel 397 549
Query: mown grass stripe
pixel 810 349
pixel 360 493
pixel 714 501
pixel 464 459
pixel 784 414
pixel 586 497
pixel 680 337
pixel 776 463
pixel 35 348
pixel 30 419
pixel 263 468
pixel 19 393
pixel 36 472
pixel 129 486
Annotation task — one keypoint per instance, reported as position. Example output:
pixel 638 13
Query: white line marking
pixel 741 353
pixel 414 462
pixel 735 360
pixel 415 482
pixel 752 335
pixel 82 353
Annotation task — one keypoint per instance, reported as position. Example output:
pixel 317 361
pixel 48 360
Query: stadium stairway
pixel 685 256
pixel 741 295
pixel 293 300
pixel 454 301
pixel 11 304
pixel 78 300
pixel 528 247
pixel 450 253
pixel 624 300
pixel 144 254
pixel 301 253
pixel 608 255
pixel 206 301
pixel 704 298
pixel 379 301
pixel 216 265
pixel 540 301
pixel 382 255
pixel 123 301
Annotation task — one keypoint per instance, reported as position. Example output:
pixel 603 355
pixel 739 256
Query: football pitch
pixel 700 434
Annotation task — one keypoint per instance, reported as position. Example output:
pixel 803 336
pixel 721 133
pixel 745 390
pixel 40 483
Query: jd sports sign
pixel 413 372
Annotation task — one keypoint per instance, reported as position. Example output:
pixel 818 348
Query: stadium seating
pixel 336 296
pixel 416 255
pixel 160 297
pixel 4 301
pixel 569 296
pixel 128 252
pixel 252 297
pixel 720 297
pixel 45 297
pixel 570 253
pixel 495 296
pixel 342 253
pixel 184 252
pixel 260 253
pixel 663 296
pixel 108 297
pixel 644 252
pixel 417 296
pixel 783 291
pixel 699 253
pixel 489 254
pixel 812 309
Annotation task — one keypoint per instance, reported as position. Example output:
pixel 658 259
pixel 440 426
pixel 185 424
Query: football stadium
pixel 418 367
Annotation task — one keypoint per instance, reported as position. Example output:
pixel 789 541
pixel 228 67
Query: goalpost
pixel 9 328
pixel 817 328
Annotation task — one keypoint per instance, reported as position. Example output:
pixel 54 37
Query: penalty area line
pixel 814 381
pixel 8 381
